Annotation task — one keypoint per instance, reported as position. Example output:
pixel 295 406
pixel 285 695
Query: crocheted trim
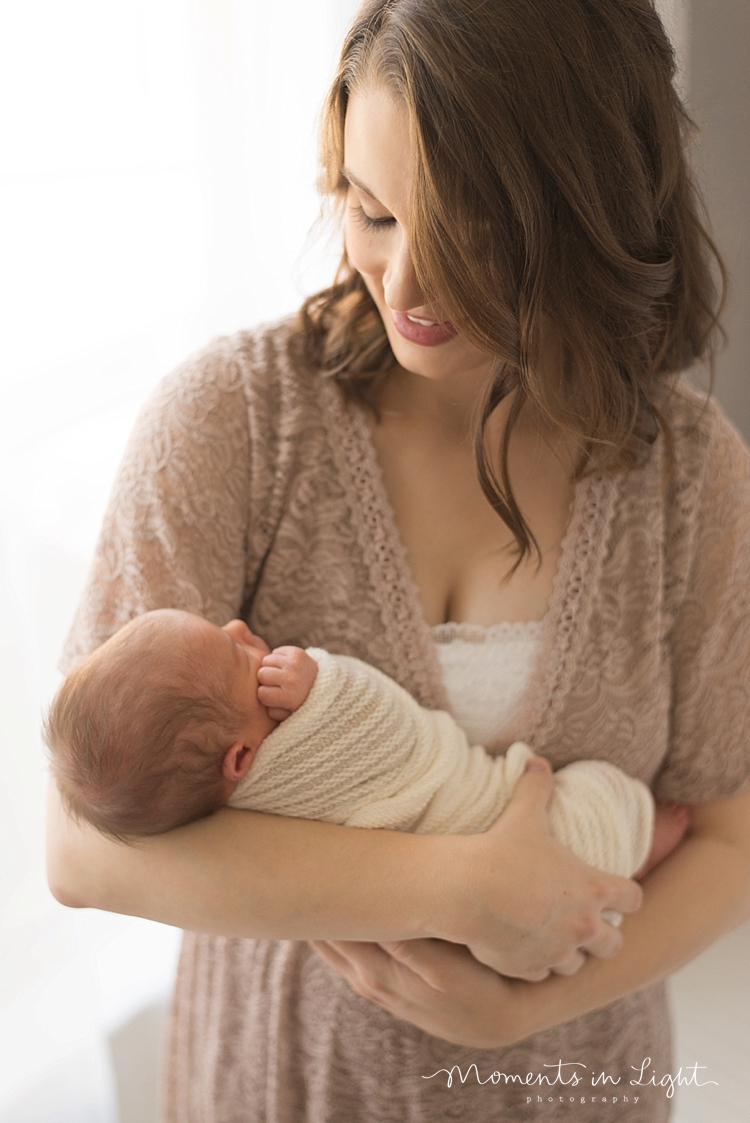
pixel 583 551
pixel 406 630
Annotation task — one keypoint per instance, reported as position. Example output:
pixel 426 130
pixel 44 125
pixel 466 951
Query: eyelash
pixel 371 224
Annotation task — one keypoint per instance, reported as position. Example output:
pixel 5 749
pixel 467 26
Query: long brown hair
pixel 549 180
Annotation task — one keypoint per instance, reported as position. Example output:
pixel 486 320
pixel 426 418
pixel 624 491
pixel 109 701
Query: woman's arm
pixel 698 894
pixel 240 873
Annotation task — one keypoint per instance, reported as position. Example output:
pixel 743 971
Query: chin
pixel 431 362
pixel 426 366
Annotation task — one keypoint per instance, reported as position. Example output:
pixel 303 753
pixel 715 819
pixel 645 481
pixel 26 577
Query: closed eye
pixel 367 223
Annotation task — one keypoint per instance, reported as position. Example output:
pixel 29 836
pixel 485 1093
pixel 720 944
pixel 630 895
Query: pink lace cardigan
pixel 249 488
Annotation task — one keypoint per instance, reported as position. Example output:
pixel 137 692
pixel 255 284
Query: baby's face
pixel 234 654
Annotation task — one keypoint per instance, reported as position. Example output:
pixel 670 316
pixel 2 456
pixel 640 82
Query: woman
pixel 524 265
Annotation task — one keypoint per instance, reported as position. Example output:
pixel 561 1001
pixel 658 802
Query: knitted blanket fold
pixel 361 752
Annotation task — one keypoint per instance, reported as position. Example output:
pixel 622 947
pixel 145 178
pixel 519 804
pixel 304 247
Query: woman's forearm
pixel 698 894
pixel 240 873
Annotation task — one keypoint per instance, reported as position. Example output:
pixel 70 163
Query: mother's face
pixel 377 164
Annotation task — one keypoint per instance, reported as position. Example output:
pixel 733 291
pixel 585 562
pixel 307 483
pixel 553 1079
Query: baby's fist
pixel 285 678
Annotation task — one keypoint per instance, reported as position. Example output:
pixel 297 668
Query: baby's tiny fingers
pixel 270 676
pixel 277 714
pixel 270 695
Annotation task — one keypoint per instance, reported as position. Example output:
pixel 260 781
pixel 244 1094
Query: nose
pixel 239 631
pixel 400 285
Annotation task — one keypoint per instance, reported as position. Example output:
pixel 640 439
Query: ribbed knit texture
pixel 250 488
pixel 360 751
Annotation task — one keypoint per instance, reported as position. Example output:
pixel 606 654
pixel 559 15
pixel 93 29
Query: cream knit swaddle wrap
pixel 361 752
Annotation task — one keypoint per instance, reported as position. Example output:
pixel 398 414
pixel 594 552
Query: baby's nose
pixel 239 631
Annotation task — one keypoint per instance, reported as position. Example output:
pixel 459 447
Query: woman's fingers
pixel 538 764
pixel 377 971
pixel 365 966
pixel 437 986
pixel 328 951
pixel 570 965
pixel 534 788
pixel 431 960
pixel 532 976
pixel 626 896
pixel 606 943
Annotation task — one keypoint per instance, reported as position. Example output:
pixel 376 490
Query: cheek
pixel 362 250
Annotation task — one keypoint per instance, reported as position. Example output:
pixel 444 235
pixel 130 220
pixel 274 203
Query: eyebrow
pixel 358 183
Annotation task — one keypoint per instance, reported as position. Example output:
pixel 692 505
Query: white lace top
pixel 485 672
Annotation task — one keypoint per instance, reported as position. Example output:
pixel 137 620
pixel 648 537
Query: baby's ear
pixel 237 761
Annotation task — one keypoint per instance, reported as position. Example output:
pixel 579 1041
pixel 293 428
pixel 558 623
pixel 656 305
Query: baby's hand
pixel 285 678
pixel 670 824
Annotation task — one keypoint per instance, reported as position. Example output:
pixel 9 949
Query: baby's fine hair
pixel 135 751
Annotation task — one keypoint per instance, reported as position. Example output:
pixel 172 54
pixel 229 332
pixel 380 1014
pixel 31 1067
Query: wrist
pixel 447 886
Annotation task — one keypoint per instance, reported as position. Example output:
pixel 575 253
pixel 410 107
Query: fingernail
pixel 537 766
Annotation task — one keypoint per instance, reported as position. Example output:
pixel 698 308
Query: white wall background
pixel 158 189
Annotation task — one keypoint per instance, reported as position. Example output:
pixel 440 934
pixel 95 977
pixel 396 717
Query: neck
pixel 258 727
pixel 448 407
pixel 447 404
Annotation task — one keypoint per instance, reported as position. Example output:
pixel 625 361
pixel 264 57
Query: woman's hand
pixel 436 986
pixel 531 905
pixel 698 893
pixel 552 915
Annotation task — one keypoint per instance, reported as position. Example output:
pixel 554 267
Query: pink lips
pixel 425 336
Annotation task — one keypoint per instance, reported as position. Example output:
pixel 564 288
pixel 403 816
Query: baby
pixel 173 717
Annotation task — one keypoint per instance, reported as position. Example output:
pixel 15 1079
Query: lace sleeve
pixel 175 529
pixel 709 757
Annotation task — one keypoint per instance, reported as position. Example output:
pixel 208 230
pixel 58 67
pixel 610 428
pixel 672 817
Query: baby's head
pixel 155 728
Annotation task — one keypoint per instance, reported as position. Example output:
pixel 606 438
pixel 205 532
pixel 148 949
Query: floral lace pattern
pixel 249 487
